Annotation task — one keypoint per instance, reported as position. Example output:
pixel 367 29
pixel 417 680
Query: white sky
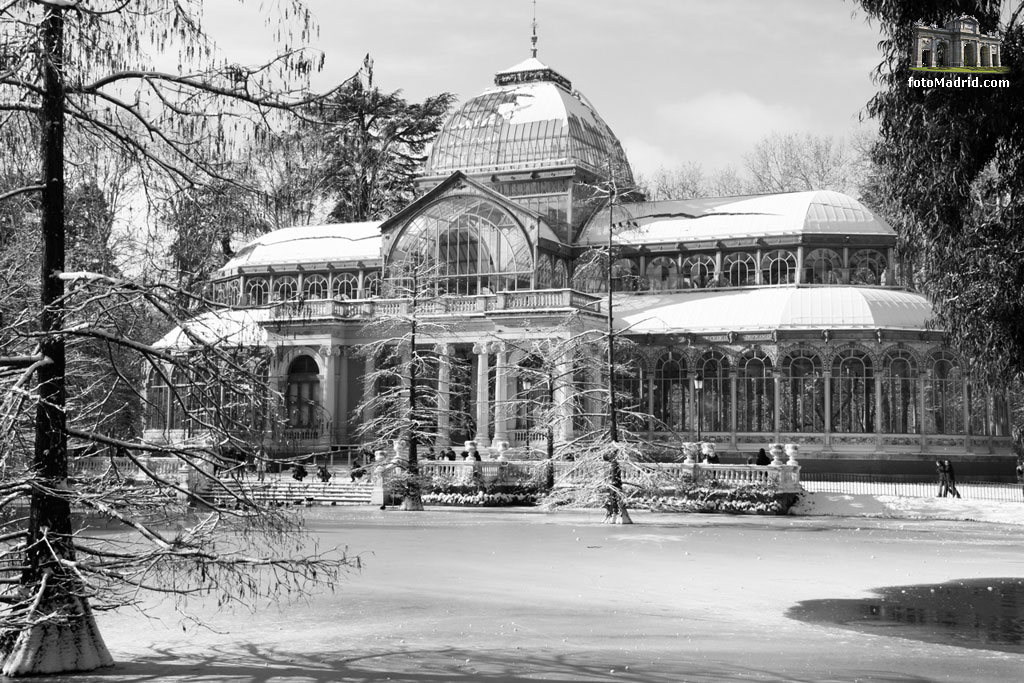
pixel 677 80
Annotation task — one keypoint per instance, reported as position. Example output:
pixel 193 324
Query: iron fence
pixel 911 486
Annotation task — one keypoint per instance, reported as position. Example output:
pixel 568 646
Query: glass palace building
pixel 790 309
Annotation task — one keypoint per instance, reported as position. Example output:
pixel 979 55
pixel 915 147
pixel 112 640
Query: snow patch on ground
pixel 901 507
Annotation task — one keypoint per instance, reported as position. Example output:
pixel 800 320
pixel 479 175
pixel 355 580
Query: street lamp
pixel 698 387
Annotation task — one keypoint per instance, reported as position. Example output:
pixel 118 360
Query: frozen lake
pixel 504 596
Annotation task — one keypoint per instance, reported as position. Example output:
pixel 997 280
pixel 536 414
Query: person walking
pixel 951 477
pixel 762 458
pixel 1020 475
pixel 940 466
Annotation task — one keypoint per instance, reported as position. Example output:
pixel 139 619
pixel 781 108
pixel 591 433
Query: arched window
pixel 899 394
pixel 533 393
pixel 625 275
pixel 755 394
pixel 475 243
pixel 740 269
pixel 371 285
pixel 179 402
pixel 302 396
pixel 559 278
pixel 286 288
pixel 345 286
pixel 315 287
pixel 700 270
pixel 803 393
pixel 158 405
pixel 943 395
pixel 670 392
pixel 823 267
pixel 630 394
pixel 853 393
pixel 778 267
pixel 257 291
pixel 866 267
pixel 715 397
pixel 662 274
pixel 544 274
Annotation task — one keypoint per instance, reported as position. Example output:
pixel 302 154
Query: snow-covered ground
pixel 901 507
pixel 508 596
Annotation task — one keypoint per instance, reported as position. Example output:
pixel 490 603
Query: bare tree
pixel 83 65
pixel 409 394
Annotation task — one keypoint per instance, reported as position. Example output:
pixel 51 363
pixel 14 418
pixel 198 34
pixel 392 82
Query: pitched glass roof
pixel 310 244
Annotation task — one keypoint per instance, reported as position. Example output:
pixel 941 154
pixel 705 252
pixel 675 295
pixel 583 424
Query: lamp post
pixel 698 387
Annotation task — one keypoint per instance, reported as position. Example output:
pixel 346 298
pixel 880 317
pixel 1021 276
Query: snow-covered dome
pixel 530 119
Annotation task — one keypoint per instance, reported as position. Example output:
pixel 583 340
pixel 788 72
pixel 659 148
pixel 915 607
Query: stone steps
pixel 287 492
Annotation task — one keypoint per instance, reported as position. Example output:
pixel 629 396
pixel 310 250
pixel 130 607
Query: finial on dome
pixel 533 38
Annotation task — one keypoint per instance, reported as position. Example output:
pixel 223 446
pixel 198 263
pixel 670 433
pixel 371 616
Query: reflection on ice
pixel 977 613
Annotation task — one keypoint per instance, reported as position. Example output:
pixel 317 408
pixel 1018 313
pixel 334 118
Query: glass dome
pixel 530 119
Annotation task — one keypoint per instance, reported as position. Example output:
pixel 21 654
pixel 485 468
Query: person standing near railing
pixel 952 478
pixel 940 466
pixel 1020 475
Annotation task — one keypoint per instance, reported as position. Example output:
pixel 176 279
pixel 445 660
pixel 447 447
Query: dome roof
pixel 774 308
pixel 530 119
pixel 791 214
pixel 308 244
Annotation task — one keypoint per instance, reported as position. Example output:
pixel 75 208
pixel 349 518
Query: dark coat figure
pixel 712 459
pixel 323 474
pixel 943 471
pixel 762 458
pixel 951 477
pixel 450 454
pixel 299 473
pixel 357 473
pixel 1020 475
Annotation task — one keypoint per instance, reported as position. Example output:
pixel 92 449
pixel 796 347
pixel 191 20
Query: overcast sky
pixel 677 80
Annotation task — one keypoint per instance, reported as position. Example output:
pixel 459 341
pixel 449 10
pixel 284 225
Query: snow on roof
pixel 336 242
pixel 774 308
pixel 238 327
pixel 787 214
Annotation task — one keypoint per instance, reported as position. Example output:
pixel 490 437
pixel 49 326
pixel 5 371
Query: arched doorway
pixel 302 396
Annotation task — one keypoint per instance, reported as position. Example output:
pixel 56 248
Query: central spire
pixel 533 39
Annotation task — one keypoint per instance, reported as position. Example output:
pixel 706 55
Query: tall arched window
pixel 716 396
pixel 899 394
pixel 257 291
pixel 740 269
pixel 286 288
pixel 302 396
pixel 559 277
pixel 700 270
pixel 630 393
pixel 475 243
pixel 158 396
pixel 755 394
pixel 180 402
pixel 315 286
pixel 803 393
pixel 778 267
pixel 823 267
pixel 943 395
pixel 853 393
pixel 544 272
pixel 670 392
pixel 662 274
pixel 345 286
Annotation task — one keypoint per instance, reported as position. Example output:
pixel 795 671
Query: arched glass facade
pixel 471 244
pixel 302 395
pixel 900 401
pixel 803 392
pixel 716 396
pixel 853 393
pixel 755 394
pixel 670 393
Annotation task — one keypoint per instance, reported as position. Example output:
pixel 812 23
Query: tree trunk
pixel 60 633
pixel 615 508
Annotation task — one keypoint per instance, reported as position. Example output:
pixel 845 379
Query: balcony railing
pixel 556 300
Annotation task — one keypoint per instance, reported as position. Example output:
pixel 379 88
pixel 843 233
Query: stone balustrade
pixel 364 309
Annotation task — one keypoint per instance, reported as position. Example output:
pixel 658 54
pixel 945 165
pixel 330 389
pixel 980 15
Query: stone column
pixel 827 378
pixel 563 399
pixel 325 413
pixel 923 420
pixel 500 391
pixel 799 265
pixel 758 279
pixel 444 375
pixel 878 412
pixel 482 437
pixel 341 380
pixel 966 394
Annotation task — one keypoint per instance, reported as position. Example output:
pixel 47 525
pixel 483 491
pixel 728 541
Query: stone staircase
pixel 282 491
